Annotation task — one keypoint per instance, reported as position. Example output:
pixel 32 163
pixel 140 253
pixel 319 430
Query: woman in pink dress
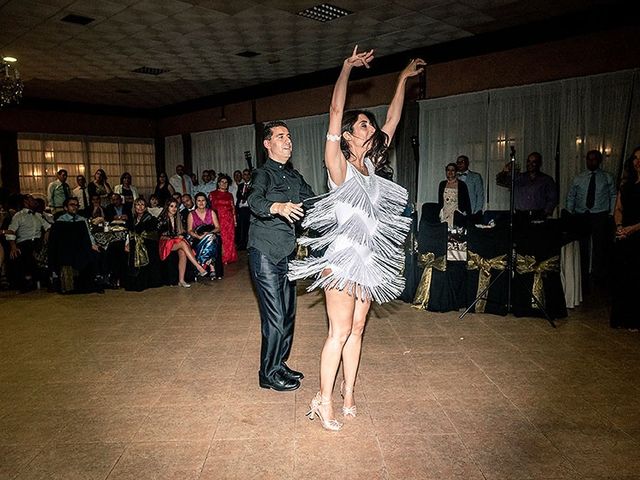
pixel 224 205
pixel 172 240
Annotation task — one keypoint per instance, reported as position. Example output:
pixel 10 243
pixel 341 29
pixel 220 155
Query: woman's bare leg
pixel 186 251
pixel 182 265
pixel 352 349
pixel 340 309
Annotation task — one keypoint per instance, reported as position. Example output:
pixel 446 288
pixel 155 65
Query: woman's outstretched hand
pixel 415 67
pixel 359 59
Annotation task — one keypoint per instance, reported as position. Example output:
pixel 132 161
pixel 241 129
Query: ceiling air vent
pixel 77 19
pixel 248 54
pixel 150 70
pixel 324 12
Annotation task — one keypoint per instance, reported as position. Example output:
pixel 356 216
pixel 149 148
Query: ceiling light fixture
pixel 10 84
pixel 324 12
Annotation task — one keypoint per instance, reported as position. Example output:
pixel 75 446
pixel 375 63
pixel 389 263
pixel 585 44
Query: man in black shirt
pixel 277 192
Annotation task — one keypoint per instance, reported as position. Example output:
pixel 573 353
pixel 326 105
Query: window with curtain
pixel 562 120
pixel 41 156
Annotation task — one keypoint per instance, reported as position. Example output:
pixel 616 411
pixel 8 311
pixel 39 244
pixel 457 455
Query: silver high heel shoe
pixel 314 409
pixel 347 411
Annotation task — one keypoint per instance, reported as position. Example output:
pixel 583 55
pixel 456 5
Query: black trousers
pixel 242 232
pixel 598 232
pixel 25 266
pixel 277 301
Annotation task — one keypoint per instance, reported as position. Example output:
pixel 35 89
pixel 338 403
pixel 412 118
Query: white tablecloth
pixel 570 273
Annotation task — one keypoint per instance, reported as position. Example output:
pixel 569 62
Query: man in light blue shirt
pixel 592 198
pixel 474 183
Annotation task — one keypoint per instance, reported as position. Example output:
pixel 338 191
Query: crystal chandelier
pixel 10 83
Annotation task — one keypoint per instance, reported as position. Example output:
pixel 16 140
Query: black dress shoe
pixel 292 373
pixel 279 382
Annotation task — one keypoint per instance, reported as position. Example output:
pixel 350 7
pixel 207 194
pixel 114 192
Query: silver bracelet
pixel 333 138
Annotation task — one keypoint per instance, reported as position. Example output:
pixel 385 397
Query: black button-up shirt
pixel 274 182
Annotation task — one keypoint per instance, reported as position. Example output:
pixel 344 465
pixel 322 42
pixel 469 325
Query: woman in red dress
pixel 224 205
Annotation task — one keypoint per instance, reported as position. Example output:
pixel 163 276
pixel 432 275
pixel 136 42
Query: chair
pixel 537 270
pixel 432 292
pixel 71 257
pixel 487 250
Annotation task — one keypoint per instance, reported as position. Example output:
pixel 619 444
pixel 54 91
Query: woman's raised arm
pixel 333 158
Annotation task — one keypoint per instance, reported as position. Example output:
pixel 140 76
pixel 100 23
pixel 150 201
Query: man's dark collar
pixel 271 163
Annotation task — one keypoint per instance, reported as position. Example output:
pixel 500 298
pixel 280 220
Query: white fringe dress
pixel 360 222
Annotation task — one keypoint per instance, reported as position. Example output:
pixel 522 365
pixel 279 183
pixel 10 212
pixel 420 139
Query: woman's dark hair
pixel 225 177
pixel 455 167
pixel 159 175
pixel 200 194
pixel 103 174
pixel 378 143
pixel 629 173
pixel 123 176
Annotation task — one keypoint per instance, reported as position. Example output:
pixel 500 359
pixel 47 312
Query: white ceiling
pixel 197 41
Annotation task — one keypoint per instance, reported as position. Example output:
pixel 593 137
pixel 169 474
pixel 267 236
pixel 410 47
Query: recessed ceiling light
pixel 324 12
pixel 10 59
pixel 77 19
pixel 150 70
pixel 248 54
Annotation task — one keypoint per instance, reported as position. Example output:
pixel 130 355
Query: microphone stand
pixel 511 254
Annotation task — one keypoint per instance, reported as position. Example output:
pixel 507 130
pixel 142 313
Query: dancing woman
pixel 361 225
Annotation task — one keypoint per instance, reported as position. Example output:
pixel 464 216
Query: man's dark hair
pixel 65 204
pixel 596 153
pixel 62 170
pixel 269 126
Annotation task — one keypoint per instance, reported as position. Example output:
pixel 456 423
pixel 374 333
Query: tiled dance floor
pixel 163 385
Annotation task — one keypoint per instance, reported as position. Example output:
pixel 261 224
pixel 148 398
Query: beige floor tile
pixel 330 455
pixel 517 455
pixel 406 457
pixel 178 424
pixel 73 462
pixel 423 417
pixel 15 458
pixel 251 420
pixel 161 461
pixel 268 459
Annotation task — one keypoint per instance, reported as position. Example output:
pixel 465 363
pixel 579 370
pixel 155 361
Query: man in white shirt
pixel 24 237
pixel 237 180
pixel 181 182
pixel 207 185
pixel 81 192
pixel 58 191
pixel 474 183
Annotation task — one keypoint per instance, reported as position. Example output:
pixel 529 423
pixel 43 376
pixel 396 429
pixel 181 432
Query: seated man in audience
pixel 592 198
pixel 185 209
pixel 117 210
pixel 536 194
pixel 72 249
pixel 25 234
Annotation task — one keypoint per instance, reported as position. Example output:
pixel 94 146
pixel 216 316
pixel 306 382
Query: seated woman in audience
pixel 172 240
pixel 163 190
pixel 626 278
pixel 203 226
pixel 143 262
pixel 453 196
pixel 154 207
pixel 126 190
pixel 95 210
pixel 100 186
pixel 224 205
